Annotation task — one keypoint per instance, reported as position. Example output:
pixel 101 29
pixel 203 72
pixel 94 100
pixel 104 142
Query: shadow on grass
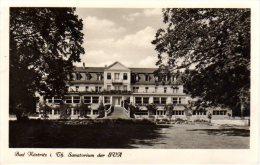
pixel 225 132
pixel 60 134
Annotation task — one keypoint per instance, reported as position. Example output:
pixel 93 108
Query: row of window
pixel 219 112
pixel 157 100
pixel 148 77
pixel 116 76
pixel 76 100
pixel 124 88
pixel 69 111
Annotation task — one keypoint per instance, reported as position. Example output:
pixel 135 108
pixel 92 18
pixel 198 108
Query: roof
pixel 101 69
pixel 90 69
pixel 143 70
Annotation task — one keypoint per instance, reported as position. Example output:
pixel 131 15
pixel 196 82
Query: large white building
pixel 116 84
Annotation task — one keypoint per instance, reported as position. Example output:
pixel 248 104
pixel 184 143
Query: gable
pixel 118 67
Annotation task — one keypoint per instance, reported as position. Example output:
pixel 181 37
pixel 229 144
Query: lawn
pixel 123 134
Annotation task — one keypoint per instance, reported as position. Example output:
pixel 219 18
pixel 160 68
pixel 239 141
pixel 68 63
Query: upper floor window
pixel 99 77
pixel 135 89
pixel 165 89
pixel 78 76
pixel 86 88
pixel 68 99
pixel 117 87
pixel 146 89
pixel 98 88
pixel 145 100
pixel 125 76
pixel 87 99
pixel 107 100
pixel 88 76
pixel 108 87
pixel 116 76
pixel 109 76
pixel 77 88
pixel 95 99
pixel 125 87
pixel 138 100
pixel 147 77
pixel 163 100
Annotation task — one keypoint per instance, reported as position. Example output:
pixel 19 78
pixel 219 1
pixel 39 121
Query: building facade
pixel 117 84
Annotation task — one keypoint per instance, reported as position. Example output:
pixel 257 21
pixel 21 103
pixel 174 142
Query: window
pixel 95 99
pixel 86 88
pixel 165 90
pixel 109 76
pixel 155 89
pixel 87 99
pixel 179 100
pixel 125 87
pixel 145 100
pixel 78 76
pixel 178 112
pixel 136 77
pixel 77 88
pixel 76 99
pixel 68 99
pixel 56 100
pixel 49 100
pixel 117 88
pixel 98 88
pixel 174 100
pixel 147 77
pixel 156 100
pixel 88 76
pixel 138 100
pixel 95 112
pixel 56 111
pixel 99 77
pixel 163 100
pixel 107 100
pixel 116 76
pixel 108 87
pixel 76 112
pixel 125 76
pixel 135 89
pixel 146 89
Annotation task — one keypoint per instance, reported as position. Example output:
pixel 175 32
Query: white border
pixel 136 155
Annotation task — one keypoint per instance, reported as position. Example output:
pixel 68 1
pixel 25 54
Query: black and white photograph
pixel 129 78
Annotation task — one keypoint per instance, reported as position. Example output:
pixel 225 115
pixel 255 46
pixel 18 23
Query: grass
pixel 122 133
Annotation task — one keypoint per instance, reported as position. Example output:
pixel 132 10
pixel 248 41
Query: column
pixel 52 112
pixel 72 111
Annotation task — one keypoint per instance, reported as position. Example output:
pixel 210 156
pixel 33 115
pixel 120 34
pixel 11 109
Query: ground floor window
pixel 161 112
pixel 68 99
pixel 95 99
pixel 76 99
pixel 142 100
pixel 56 100
pixel 176 100
pixel 76 112
pixel 138 100
pixel 219 112
pixel 180 112
pixel 107 100
pixel 159 100
pixel 87 99
pixel 95 112
pixel 199 113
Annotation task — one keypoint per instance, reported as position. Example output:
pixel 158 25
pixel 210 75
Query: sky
pixel 119 34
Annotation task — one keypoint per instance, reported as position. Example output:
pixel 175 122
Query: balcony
pixel 117 81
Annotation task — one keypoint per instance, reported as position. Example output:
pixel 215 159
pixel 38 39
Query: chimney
pixel 105 66
pixel 83 65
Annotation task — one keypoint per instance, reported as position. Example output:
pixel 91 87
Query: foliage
pixel 83 108
pixel 101 111
pixel 132 110
pixel 212 47
pixel 169 109
pixel 44 43
pixel 152 108
pixel 65 110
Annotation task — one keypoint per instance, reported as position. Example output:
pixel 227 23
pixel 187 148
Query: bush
pixel 101 111
pixel 152 108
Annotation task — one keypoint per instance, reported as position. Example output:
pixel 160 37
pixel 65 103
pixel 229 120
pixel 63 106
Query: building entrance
pixel 117 101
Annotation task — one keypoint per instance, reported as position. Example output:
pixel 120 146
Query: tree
pixel 212 49
pixel 44 43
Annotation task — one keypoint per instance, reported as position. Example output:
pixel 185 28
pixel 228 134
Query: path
pixel 119 112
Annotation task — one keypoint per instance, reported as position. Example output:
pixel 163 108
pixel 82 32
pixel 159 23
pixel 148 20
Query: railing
pixel 117 80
